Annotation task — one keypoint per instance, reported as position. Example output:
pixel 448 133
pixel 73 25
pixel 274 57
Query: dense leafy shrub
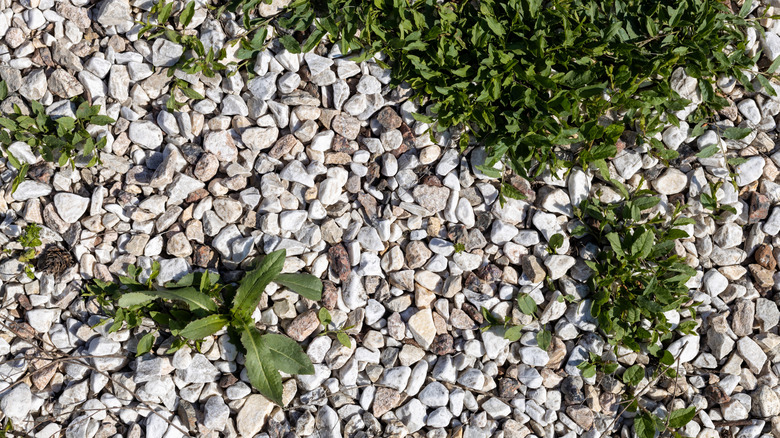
pixel 532 76
pixel 199 305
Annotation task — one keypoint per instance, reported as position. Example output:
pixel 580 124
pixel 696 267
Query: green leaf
pixel 513 333
pixel 773 67
pixel 556 241
pixel 262 374
pixel 305 285
pixel 736 133
pixel 3 90
pixel 290 43
pixel 324 316
pixel 614 241
pixel 680 417
pixel 101 120
pixel 543 338
pixel 192 94
pixel 145 344
pixel 344 339
pixel 422 118
pixel 201 328
pixel 130 299
pixel 643 244
pixel 254 283
pixel 746 8
pixel 588 370
pixel 770 90
pixel 186 15
pixel 708 151
pixel 188 295
pixel 634 375
pixel 644 426
pixel 165 13
pixel 526 304
pixel 287 355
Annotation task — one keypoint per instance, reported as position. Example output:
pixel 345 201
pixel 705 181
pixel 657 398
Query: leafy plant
pixel 511 332
pixel 710 201
pixel 531 78
pixel 29 239
pixel 60 140
pixel 199 305
pixel 161 22
pixel 340 332
pixel 636 277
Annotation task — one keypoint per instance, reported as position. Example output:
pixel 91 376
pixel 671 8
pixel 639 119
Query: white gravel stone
pixel 70 207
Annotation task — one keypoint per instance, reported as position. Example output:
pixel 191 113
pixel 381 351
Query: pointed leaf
pixel 145 344
pixel 134 299
pixel 194 299
pixel 287 355
pixel 201 328
pixel 305 285
pixel 263 376
pixel 681 417
pixel 186 15
pixel 253 284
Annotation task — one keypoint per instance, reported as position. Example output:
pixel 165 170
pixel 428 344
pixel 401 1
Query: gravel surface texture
pixel 317 154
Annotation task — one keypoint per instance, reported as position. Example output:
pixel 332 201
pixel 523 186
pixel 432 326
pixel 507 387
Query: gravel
pixel 318 155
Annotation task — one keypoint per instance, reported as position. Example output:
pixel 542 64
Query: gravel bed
pixel 319 155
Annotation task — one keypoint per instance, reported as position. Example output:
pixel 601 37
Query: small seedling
pixel 459 248
pixel 29 240
pixel 556 241
pixel 511 332
pixel 60 140
pixel 198 306
pixel 710 202
pixel 340 333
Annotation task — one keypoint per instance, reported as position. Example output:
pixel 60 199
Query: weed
pixel 637 279
pixel 61 140
pixel 29 239
pixel 198 305
pixel 532 78
pixel 340 333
